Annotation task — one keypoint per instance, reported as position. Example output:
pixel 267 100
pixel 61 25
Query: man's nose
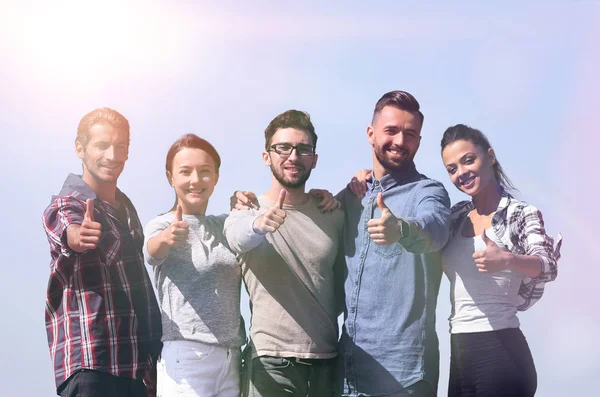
pixel 110 153
pixel 399 139
pixel 294 154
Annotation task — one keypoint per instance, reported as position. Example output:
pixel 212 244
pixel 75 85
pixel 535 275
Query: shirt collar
pixel 77 184
pixel 504 200
pixel 396 178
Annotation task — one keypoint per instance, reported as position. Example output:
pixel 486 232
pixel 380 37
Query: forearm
pixel 530 266
pixel 424 235
pixel 241 235
pixel 158 248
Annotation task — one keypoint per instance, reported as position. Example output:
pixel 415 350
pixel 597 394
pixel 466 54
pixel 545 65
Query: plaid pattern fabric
pixel 101 311
pixel 520 227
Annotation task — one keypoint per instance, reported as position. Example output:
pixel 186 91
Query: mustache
pixel 110 163
pixel 396 148
pixel 297 165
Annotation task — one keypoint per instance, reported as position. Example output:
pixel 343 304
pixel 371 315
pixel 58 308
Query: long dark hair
pixel 462 132
pixel 190 141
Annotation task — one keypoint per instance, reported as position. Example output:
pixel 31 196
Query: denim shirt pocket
pixel 388 251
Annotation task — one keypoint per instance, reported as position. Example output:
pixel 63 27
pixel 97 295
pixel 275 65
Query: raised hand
pixel 242 200
pixel 492 259
pixel 328 202
pixel 386 229
pixel 358 183
pixel 86 236
pixel 271 220
pixel 177 233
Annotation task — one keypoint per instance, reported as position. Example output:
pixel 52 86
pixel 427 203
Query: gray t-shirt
pixel 291 279
pixel 199 284
pixel 480 301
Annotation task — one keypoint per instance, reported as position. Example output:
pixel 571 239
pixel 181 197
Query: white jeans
pixel 196 369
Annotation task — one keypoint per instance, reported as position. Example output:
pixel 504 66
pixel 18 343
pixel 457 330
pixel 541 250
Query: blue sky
pixel 525 74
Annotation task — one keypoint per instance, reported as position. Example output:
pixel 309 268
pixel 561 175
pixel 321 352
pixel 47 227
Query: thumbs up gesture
pixel 177 233
pixel 271 220
pixel 387 228
pixel 86 236
pixel 492 259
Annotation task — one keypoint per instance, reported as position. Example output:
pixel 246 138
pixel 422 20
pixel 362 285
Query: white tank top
pixel 480 301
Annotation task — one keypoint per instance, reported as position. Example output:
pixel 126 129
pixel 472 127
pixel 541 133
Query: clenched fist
pixel 271 220
pixel 86 236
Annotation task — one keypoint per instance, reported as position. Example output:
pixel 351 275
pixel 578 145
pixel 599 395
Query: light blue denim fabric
pixel 389 341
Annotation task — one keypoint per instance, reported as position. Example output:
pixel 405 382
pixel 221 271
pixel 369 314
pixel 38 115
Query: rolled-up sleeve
pixel 60 214
pixel 534 241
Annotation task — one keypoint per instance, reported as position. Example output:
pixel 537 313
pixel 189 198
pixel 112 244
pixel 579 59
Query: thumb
pixel 485 238
pixel 178 214
pixel 380 202
pixel 281 199
pixel 89 210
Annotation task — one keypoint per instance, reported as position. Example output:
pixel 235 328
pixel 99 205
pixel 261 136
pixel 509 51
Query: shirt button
pixel 352 310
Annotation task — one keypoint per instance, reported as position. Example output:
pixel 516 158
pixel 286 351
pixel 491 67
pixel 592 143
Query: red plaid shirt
pixel 101 311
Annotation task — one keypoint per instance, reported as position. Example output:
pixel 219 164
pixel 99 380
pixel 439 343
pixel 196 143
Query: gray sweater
pixel 291 279
pixel 199 284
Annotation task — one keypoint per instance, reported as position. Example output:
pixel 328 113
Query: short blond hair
pixel 100 116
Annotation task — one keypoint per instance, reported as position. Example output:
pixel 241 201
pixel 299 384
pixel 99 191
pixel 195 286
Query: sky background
pixel 525 73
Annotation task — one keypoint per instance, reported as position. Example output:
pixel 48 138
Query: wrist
pixel 403 229
pixel 163 241
pixel 256 226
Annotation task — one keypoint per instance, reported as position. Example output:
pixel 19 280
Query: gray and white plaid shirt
pixel 520 227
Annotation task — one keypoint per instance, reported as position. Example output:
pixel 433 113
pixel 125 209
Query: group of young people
pixel 375 252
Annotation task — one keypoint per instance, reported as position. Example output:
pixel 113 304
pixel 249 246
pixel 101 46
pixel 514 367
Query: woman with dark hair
pixel 198 280
pixel 498 259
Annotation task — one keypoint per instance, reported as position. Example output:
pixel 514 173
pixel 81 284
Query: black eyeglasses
pixel 285 149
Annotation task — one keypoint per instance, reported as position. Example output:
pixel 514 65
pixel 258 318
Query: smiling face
pixel 290 171
pixel 470 168
pixel 103 155
pixel 194 176
pixel 395 136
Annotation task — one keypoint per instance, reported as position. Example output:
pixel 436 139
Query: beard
pixel 381 154
pixel 99 173
pixel 291 182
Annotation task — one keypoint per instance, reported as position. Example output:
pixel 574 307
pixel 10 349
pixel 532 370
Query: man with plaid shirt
pixel 102 318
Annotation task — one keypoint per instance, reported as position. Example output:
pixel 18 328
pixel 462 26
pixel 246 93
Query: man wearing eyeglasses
pixel 290 252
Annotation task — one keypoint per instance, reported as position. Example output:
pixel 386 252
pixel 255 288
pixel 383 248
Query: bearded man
pixel 291 256
pixel 393 233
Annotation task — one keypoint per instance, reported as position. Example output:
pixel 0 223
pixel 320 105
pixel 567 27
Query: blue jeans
pixel 491 364
pixel 268 376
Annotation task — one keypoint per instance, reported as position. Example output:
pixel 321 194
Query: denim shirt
pixel 388 340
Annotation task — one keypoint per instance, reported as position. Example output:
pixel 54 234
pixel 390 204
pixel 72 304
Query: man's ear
pixel 370 135
pixel 266 158
pixel 216 178
pixel 315 158
pixel 79 149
